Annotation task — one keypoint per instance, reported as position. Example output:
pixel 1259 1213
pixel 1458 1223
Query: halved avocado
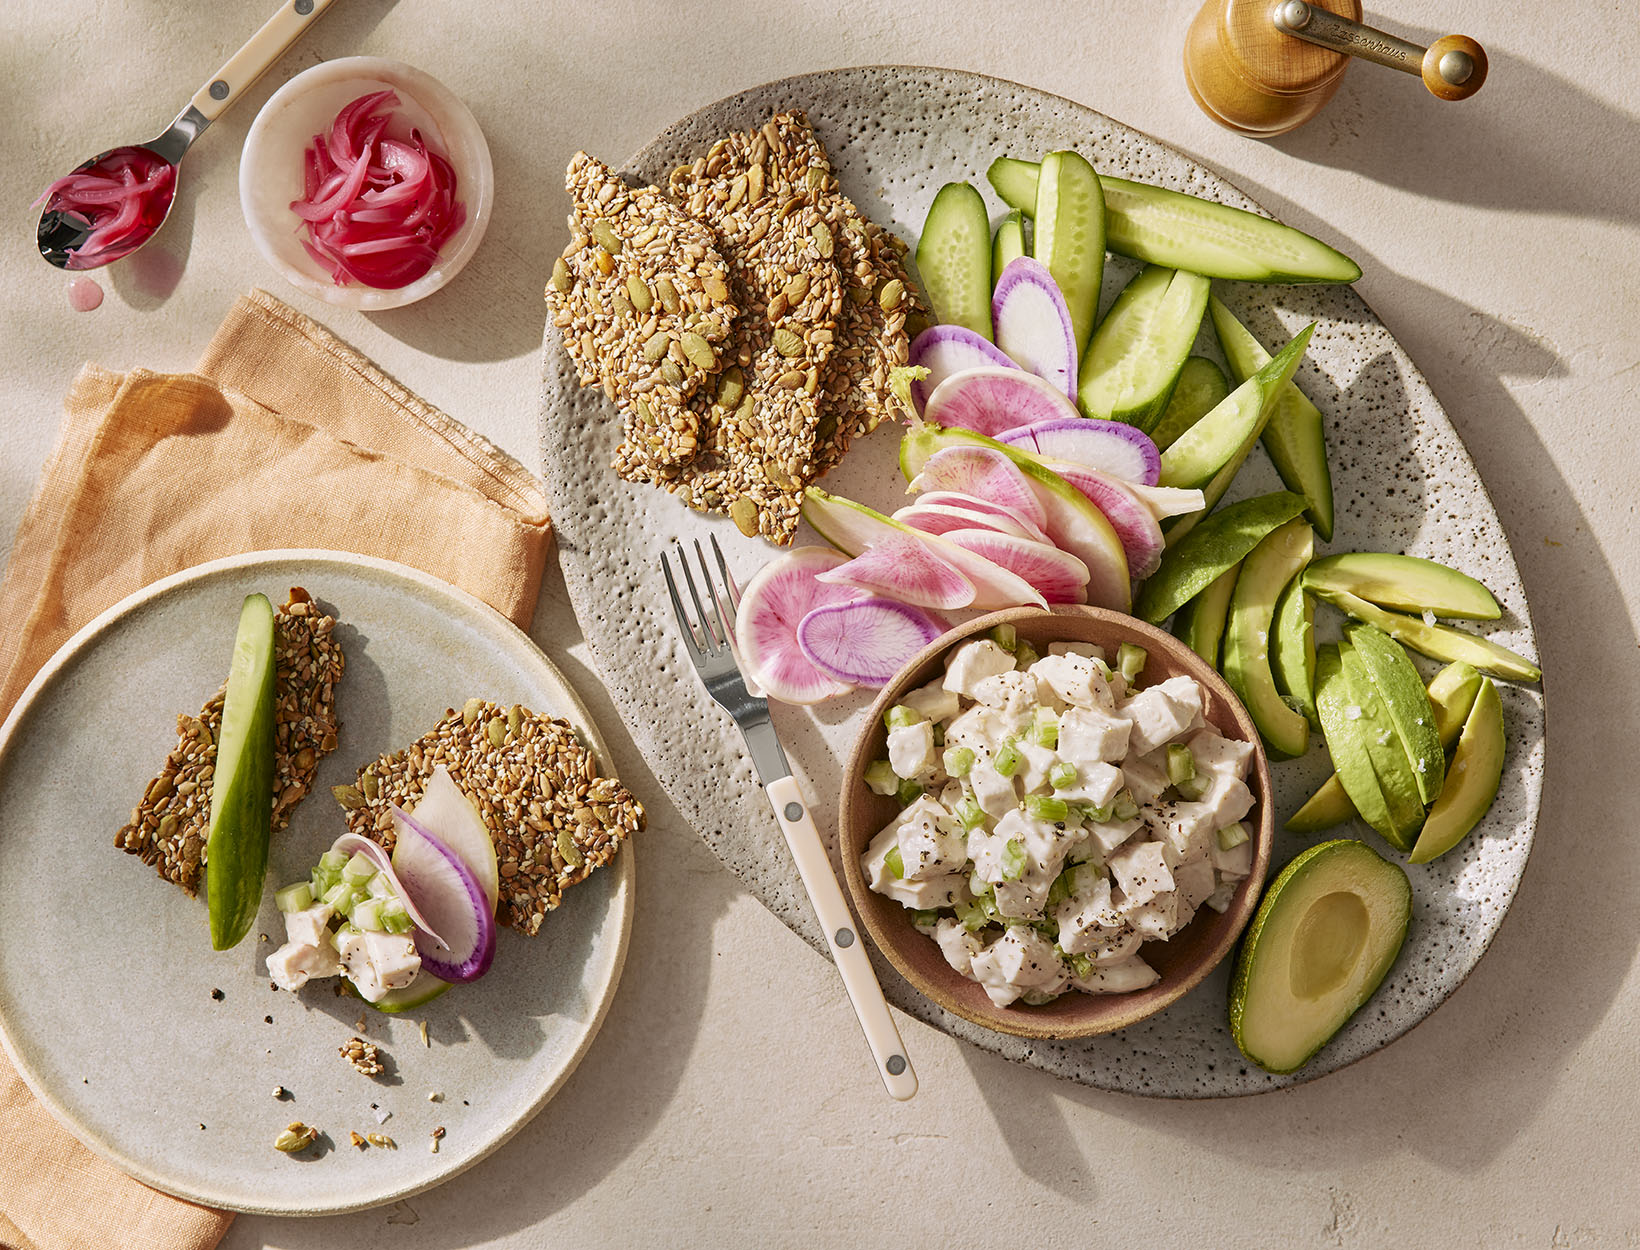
pixel 1200 623
pixel 1471 782
pixel 1407 703
pixel 1292 650
pixel 1439 642
pixel 1396 779
pixel 1264 574
pixel 1406 583
pixel 1325 935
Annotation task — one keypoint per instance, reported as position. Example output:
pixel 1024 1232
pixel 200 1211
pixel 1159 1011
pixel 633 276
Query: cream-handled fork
pixel 706 637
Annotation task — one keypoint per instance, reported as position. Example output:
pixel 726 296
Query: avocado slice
pixel 1451 695
pixel 1472 780
pixel 1396 779
pixel 1439 642
pixel 1323 939
pixel 1265 572
pixel 1219 545
pixel 1202 386
pixel 1294 436
pixel 1200 623
pixel 1292 650
pixel 1405 583
pixel 1407 703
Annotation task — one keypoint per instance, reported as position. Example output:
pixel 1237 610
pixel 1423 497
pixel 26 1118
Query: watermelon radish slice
pixel 1166 501
pixel 947 349
pixel 866 641
pixel 903 568
pixel 1125 451
pixel 1033 325
pixel 939 518
pixel 1128 515
pixel 784 591
pixel 1072 523
pixel 1060 576
pixel 448 814
pixel 973 503
pixel 984 474
pixel 450 896
pixel 853 528
pixel 990 399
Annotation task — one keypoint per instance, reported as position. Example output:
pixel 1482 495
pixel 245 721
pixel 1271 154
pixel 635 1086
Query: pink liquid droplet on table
pixel 84 294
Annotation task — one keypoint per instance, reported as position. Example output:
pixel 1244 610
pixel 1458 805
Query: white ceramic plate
pixel 1402 479
pixel 107 972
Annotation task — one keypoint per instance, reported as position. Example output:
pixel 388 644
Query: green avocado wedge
pixel 1217 545
pixel 1471 782
pixel 1438 642
pixel 1407 703
pixel 1266 571
pixel 1404 583
pixel 1451 695
pixel 1201 387
pixel 1334 702
pixel 1292 650
pixel 1200 623
pixel 1326 934
pixel 236 847
pixel 1294 437
pixel 1397 781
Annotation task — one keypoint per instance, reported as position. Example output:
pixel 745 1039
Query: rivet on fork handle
pixel 1453 67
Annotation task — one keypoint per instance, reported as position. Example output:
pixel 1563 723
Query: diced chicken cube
pixel 994 793
pixel 1077 680
pixel 934 891
pixel 1093 735
pixel 1020 961
pixel 1012 693
pixel 310 926
pixel 1162 713
pixel 1096 785
pixel 957 944
pixel 1110 834
pixel 1225 757
pixel 931 841
pixel 1186 829
pixel 1234 864
pixel 972 663
pixel 971 729
pixel 933 701
pixel 1088 920
pixel 1145 777
pixel 1088 649
pixel 1223 893
pixel 377 962
pixel 1122 978
pixel 1227 800
pixel 1158 919
pixel 1035 762
pixel 295 963
pixel 1140 869
pixel 911 751
pixel 1195 882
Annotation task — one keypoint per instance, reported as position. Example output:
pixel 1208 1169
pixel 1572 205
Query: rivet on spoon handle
pixel 266 46
pixel 1453 67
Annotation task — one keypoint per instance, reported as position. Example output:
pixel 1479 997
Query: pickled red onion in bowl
pixel 121 198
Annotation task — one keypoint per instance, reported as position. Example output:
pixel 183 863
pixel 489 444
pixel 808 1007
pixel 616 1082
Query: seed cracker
pixel 169 827
pixel 536 785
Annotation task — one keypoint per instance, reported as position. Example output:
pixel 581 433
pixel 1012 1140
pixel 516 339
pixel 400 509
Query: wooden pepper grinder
pixel 1264 67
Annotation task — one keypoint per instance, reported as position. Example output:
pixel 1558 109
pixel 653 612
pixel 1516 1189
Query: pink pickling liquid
pixel 84 294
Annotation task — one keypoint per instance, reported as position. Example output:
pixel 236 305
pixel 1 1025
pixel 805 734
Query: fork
pixel 707 637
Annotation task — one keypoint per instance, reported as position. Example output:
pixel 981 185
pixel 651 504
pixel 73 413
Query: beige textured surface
pixel 729 1099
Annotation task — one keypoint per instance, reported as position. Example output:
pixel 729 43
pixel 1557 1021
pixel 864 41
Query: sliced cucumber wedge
pixel 1134 360
pixel 954 258
pixel 1070 235
pixel 1201 387
pixel 1008 245
pixel 1015 181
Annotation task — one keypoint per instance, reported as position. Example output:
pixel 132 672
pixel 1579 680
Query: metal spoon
pixel 60 232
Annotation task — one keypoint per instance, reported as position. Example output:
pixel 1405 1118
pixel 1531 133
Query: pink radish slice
pixel 450 896
pixel 984 473
pixel 1124 451
pixel 1033 326
pixel 867 641
pixel 351 844
pixel 1166 501
pixel 903 568
pixel 944 350
pixel 784 591
pixel 939 518
pixel 1129 516
pixel 994 513
pixel 990 400
pixel 1060 576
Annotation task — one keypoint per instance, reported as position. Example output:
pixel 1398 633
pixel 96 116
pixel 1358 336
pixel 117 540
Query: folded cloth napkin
pixel 282 437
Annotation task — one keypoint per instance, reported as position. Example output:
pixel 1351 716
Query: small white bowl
pixel 270 170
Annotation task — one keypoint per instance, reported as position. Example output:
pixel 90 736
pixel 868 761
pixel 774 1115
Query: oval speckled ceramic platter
pixel 1403 483
pixel 107 973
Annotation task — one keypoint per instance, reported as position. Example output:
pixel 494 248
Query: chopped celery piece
pixel 1130 661
pixel 958 761
pixel 1060 890
pixel 899 716
pixel 1192 789
pixel 909 792
pixel 394 916
pixel 971 814
pixel 1046 807
pixel 939 734
pixel 1181 765
pixel 381 886
pixel 1013 860
pixel 1006 760
pixel 1045 727
pixel 926 917
pixel 1005 637
pixel 1081 965
pixel 367 913
pixel 340 897
pixel 1123 807
pixel 1025 655
pixel 359 869
pixel 295 897
pixel 1091 815
pixel 881 777
pixel 333 861
pixel 1232 836
pixel 894 864
pixel 976 915
pixel 1062 776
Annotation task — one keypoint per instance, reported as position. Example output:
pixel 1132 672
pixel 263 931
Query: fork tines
pixel 705 633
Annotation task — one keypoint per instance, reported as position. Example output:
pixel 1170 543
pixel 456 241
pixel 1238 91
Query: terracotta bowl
pixel 1182 962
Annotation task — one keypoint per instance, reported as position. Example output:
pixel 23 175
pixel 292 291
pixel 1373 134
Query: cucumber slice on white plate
pixel 954 258
pixel 1070 235
pixel 1139 349
pixel 1008 245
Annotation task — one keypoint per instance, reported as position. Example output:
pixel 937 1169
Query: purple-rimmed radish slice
pixel 941 518
pixel 992 399
pixel 984 473
pixel 449 815
pixel 866 641
pixel 1033 326
pixel 1133 521
pixel 1125 451
pixel 450 896
pixel 947 349
pixel 1166 501
pixel 1060 576
pixel 998 516
pixel 903 567
pixel 351 844
pixel 855 528
pixel 784 591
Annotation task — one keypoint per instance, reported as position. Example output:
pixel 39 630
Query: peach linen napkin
pixel 282 437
